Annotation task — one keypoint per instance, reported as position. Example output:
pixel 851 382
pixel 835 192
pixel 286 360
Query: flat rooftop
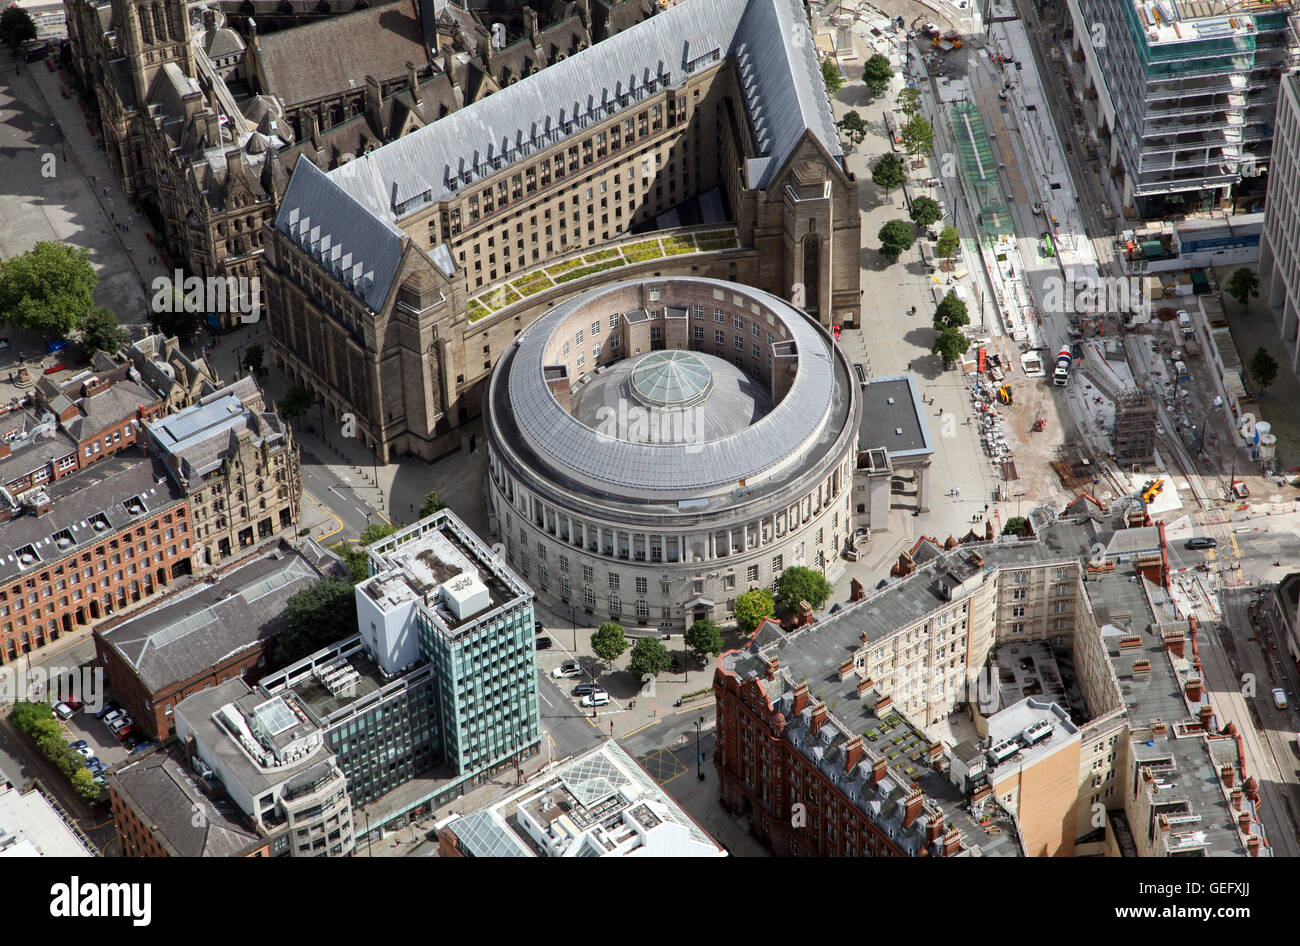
pixel 1026 715
pixel 894 418
pixel 31 827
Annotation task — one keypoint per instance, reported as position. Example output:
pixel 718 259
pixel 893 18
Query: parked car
pixel 75 704
pixel 537 627
pixel 63 711
pixel 92 762
pixel 109 707
pixel 143 746
pixel 1279 698
pixel 4 344
pixel 600 698
pixel 101 781
pixel 85 751
pixel 543 643
pixel 1201 542
pixel 567 670
pixel 78 745
pixel 113 716
pixel 120 723
pixel 586 689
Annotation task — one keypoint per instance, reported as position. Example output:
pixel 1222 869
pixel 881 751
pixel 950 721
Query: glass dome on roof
pixel 671 379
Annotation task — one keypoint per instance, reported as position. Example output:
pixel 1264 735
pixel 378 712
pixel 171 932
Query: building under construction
pixel 1135 430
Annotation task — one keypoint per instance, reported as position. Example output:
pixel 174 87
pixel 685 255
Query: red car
pixel 836 330
pixel 53 368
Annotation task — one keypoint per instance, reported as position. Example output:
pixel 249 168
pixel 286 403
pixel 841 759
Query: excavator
pixel 1040 423
pixel 1151 489
pixel 1004 394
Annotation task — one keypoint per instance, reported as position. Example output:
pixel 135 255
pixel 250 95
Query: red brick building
pixel 101 411
pixel 811 786
pixel 213 633
pixel 87 546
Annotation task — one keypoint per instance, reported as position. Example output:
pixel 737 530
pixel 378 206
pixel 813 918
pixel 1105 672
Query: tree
pixel 375 531
pixel 26 715
pixel 918 135
pixel 876 74
pixel 798 583
pixel 950 345
pixel 179 320
pixel 431 505
pixel 1262 367
pixel 354 555
pixel 295 403
pixel 949 243
pixel 1015 526
pixel 909 101
pixel 649 656
pixel 925 211
pixel 84 783
pixel 888 173
pixel 16 27
pixel 608 642
pixel 853 128
pixel 895 237
pixel 704 639
pixel 253 357
pixel 1243 285
pixel 752 607
pixel 100 331
pixel 831 76
pixel 48 290
pixel 323 613
pixel 950 313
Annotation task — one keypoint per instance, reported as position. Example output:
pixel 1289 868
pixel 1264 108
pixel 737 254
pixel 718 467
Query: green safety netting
pixel 979 169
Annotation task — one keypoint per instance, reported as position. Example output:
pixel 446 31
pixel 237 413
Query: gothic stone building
pixel 369 267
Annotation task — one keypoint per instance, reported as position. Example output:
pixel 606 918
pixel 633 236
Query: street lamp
pixel 699 757
pixel 368 853
pixel 573 615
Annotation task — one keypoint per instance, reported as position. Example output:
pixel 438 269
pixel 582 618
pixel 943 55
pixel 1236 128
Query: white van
pixel 1184 323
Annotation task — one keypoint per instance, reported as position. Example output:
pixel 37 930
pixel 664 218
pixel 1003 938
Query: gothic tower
pixel 155 32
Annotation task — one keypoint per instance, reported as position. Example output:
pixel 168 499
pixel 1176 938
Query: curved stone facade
pixel 656 516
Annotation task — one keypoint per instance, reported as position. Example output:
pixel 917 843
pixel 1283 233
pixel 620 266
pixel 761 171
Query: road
pixel 332 491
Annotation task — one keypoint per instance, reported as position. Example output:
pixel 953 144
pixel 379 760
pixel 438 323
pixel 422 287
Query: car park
pixel 544 643
pixel 1201 542
pixel 567 670
pixel 600 698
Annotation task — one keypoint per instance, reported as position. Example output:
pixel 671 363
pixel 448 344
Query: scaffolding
pixel 1135 430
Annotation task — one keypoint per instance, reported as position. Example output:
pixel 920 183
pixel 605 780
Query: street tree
pixel 703 638
pixel 295 403
pixel 182 320
pixel 876 74
pixel 949 243
pixel 799 583
pixel 831 76
pixel 888 173
pixel 649 656
pixel 925 211
pixel 1243 285
pixel 608 642
pixel 1263 368
pixel 100 331
pixel 853 128
pixel 1015 526
pixel 909 101
pixel 47 290
pixel 895 237
pixel 752 607
pixel 254 358
pixel 918 136
pixel 950 313
pixel 83 783
pixel 323 613
pixel 431 504
pixel 950 345
pixel 16 27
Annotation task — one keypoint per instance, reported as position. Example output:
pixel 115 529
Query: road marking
pixel 331 514
pixel 543 696
pixel 646 726
pixel 697 706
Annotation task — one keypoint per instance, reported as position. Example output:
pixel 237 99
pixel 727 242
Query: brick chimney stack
pixel 879 768
pixel 1243 822
pixel 912 807
pixel 951 842
pixel 1253 845
pixel 1236 798
pixel 847 668
pixel 857 591
pixel 800 698
pixel 934 830
pixel 1175 646
pixel 1194 689
pixel 1207 716
pixel 852 754
pixel 863 686
pixel 773 664
pixel 1228 774
pixel 818 717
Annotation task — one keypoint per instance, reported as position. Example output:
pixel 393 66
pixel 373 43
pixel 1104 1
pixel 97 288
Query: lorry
pixel 1061 374
pixel 1185 323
